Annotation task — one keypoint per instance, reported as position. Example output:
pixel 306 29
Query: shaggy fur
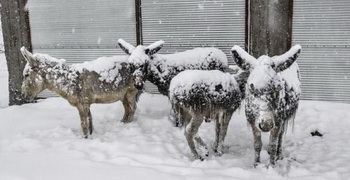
pixel 272 96
pixel 198 99
pixel 161 68
pixel 81 87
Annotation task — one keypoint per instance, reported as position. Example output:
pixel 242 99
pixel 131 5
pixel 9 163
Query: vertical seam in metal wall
pixel 138 16
pixel 249 43
pixel 289 45
pixel 246 24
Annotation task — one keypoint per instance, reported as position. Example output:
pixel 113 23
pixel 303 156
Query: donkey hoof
pixel 218 153
pixel 256 164
pixel 125 121
pixel 271 164
pixel 91 130
pixel 195 157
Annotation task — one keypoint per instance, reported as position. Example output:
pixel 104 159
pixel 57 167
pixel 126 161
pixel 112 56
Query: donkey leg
pixel 129 103
pixel 84 116
pixel 274 135
pixel 200 141
pixel 224 122
pixel 127 110
pixel 91 126
pixel 257 144
pixel 179 119
pixel 177 114
pixel 133 98
pixel 217 135
pixel 190 131
pixel 280 141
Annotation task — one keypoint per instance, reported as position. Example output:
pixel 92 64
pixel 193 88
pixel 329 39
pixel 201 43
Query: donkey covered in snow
pixel 163 67
pixel 205 95
pixel 272 96
pixel 105 80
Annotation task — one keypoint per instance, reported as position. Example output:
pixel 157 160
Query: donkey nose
pixel 251 86
pixel 139 85
pixel 266 125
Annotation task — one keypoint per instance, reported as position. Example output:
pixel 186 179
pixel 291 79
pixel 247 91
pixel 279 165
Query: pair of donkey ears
pixel 279 63
pixel 149 50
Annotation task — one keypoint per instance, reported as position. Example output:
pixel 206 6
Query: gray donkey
pixel 163 67
pixel 272 96
pixel 105 80
pixel 206 95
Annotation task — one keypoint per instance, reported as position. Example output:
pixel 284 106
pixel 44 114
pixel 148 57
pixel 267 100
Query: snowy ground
pixel 44 141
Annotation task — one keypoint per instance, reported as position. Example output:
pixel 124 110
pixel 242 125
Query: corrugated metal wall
pixel 184 24
pixel 322 27
pixel 81 30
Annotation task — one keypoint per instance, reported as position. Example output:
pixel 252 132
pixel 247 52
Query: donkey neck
pixel 242 78
pixel 62 80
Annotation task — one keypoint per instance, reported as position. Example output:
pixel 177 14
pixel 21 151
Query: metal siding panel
pixel 60 23
pixel 323 30
pixel 184 25
pixel 81 30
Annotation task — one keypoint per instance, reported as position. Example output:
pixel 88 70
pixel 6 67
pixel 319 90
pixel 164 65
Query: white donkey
pixel 272 96
pixel 105 80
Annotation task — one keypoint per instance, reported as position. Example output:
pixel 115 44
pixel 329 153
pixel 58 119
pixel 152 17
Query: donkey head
pixel 33 78
pixel 139 58
pixel 263 85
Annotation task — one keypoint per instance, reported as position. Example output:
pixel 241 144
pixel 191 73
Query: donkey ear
pixel 243 60
pixel 126 47
pixel 29 57
pixel 284 61
pixel 154 48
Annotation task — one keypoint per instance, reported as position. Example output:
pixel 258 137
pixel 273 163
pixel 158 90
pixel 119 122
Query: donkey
pixel 163 67
pixel 272 96
pixel 206 95
pixel 104 80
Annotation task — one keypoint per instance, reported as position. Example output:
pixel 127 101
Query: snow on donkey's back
pixel 104 80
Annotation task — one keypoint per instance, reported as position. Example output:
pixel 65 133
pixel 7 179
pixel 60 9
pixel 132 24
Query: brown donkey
pixel 105 80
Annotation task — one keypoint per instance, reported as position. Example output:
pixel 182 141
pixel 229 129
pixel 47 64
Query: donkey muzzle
pixel 139 85
pixel 266 121
pixel 28 98
pixel 264 126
